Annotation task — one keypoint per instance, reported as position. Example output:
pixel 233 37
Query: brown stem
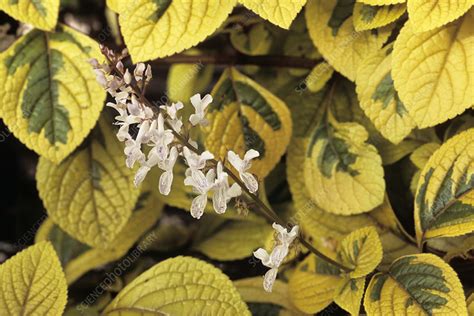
pixel 264 209
pixel 239 59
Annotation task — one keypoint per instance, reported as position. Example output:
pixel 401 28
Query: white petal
pixel 251 154
pixel 250 182
pixel 198 205
pixel 263 256
pixel 207 155
pixel 140 175
pixel 219 200
pixel 234 191
pixel 278 254
pixel 127 77
pixel 235 160
pixel 269 279
pixel 196 101
pixel 166 180
pixel 194 119
pixel 206 101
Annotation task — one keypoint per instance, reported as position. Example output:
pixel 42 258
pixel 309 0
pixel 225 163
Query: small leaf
pixel 90 195
pixel 154 29
pixel 255 41
pixel 362 251
pixel 50 97
pixel 428 15
pixel 319 76
pixel 279 12
pixel 244 116
pixel 367 17
pixel 444 91
pixel 312 286
pixel 444 202
pixel 381 2
pixel 349 295
pixel 235 240
pixel 378 98
pixel 32 283
pixel 416 285
pixel 330 25
pixel 42 14
pixel 179 286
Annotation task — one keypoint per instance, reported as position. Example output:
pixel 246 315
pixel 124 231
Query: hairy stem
pixel 263 208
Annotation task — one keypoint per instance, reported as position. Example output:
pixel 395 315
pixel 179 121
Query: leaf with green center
pixel 50 97
pixel 42 14
pixel 349 295
pixel 368 17
pixel 416 285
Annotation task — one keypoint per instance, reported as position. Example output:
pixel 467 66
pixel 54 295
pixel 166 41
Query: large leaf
pixel 50 98
pixel 433 70
pixel 153 29
pixel 279 12
pixel 378 98
pixel 361 251
pixel 381 2
pixel 416 285
pixel 367 17
pixel 444 202
pixel 235 240
pixel 90 195
pixel 428 15
pixel 179 286
pixel 32 283
pixel 244 116
pixel 77 258
pixel 42 14
pixel 331 28
pixel 343 172
pixel 313 284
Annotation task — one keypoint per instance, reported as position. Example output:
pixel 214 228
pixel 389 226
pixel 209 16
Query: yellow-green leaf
pixel 154 29
pixel 433 71
pixel 331 28
pixel 78 258
pixel 428 15
pixel 90 195
pixel 252 291
pixel 444 202
pixel 343 172
pixel 32 283
pixel 114 5
pixel 381 2
pixel 416 285
pixel 470 304
pixel 235 240
pixel 255 41
pixel 244 116
pixel 367 17
pixel 42 14
pixel 279 12
pixel 362 251
pixel 378 98
pixel 50 97
pixel 349 294
pixel 179 286
pixel 420 157
pixel 312 286
pixel 319 76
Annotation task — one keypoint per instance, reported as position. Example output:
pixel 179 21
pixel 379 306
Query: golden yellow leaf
pixel 349 294
pixel 319 76
pixel 444 202
pixel 330 25
pixel 361 251
pixel 279 12
pixel 367 17
pixel 154 29
pixel 381 2
pixel 419 157
pixel 114 5
pixel 32 283
pixel 433 71
pixel 312 286
pixel 42 14
pixel 244 116
pixel 416 285
pixel 378 98
pixel 50 99
pixel 179 286
pixel 428 15
pixel 90 195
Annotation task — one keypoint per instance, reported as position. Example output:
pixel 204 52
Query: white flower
pixel 172 111
pixel 161 138
pixel 195 161
pixel 200 106
pixel 138 72
pixel 133 149
pixel 278 254
pixel 222 192
pixel 201 184
pixel 127 77
pixel 167 165
pixel 242 165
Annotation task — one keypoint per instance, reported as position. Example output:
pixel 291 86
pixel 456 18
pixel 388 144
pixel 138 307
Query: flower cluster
pixel 159 142
pixel 278 254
